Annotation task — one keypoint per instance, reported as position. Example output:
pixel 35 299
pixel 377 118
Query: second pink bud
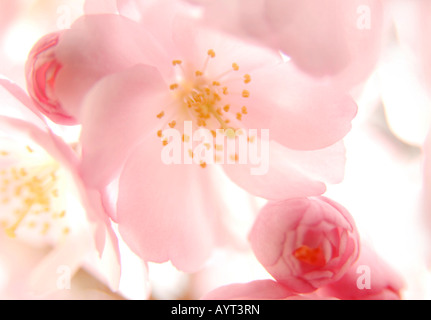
pixel 305 243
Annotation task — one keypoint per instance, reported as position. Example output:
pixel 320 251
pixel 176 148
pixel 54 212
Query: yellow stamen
pixel 245 93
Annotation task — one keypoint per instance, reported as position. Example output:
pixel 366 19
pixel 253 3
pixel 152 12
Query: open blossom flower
pixel 139 83
pixel 324 38
pixel 44 204
pixel 370 278
pixel 305 244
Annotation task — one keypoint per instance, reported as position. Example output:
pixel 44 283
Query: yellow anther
pixel 226 108
pixel 23 172
pixel 172 124
pixel 202 123
pixel 55 193
pixel 216 83
pixel 4 153
pixel 211 53
pixel 29 149
pixel 245 93
pixel 235 66
pixel 165 142
pixel 45 229
pixel 176 62
pixel 234 157
pixel 247 78
pixel 31 224
pixel 244 110
pixel 159 133
pixel 203 165
pixel 218 159
pixel 239 116
pixel 225 91
pixel 230 133
pixel 198 73
pixel 173 86
pixel 161 114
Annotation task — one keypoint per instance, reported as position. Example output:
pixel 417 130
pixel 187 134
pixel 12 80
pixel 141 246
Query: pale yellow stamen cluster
pixel 27 198
pixel 203 98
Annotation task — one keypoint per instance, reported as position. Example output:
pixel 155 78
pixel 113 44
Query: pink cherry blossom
pixel 325 38
pixel 305 244
pixel 44 201
pixel 131 81
pixel 370 278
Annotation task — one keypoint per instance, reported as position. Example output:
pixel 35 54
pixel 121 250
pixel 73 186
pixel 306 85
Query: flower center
pixel 29 197
pixel 205 99
pixel 311 256
pixel 208 101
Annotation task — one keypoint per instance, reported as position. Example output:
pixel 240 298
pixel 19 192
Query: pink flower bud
pixel 305 243
pixel 41 70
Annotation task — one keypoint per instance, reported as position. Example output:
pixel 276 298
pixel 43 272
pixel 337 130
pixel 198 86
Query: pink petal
pixel 301 113
pixel 280 174
pixel 96 46
pixel 384 282
pixel 119 111
pixel 255 290
pixel 158 216
pixel 100 6
pixel 16 100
